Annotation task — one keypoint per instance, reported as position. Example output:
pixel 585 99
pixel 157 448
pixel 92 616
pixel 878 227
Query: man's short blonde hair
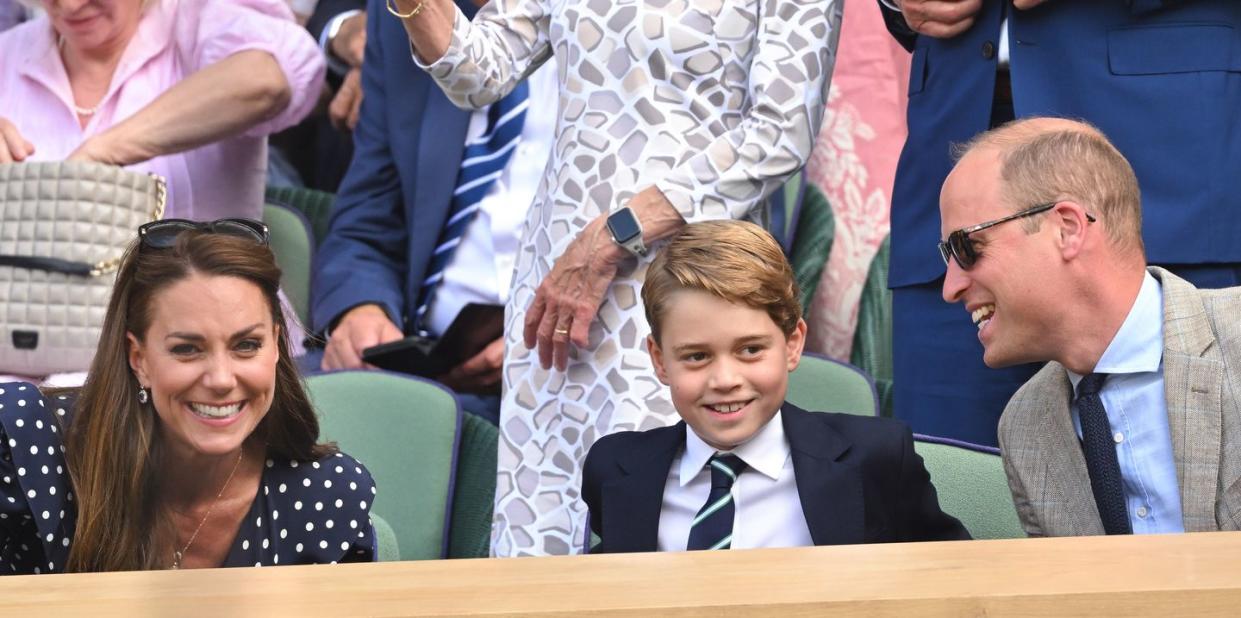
pixel 1051 159
pixel 733 260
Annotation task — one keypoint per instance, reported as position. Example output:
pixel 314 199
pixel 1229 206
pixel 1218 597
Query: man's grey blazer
pixel 1202 383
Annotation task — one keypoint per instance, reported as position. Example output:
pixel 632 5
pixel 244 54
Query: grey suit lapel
pixel 1066 495
pixel 1193 375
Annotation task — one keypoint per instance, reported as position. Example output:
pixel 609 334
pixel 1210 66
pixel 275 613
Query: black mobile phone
pixel 474 327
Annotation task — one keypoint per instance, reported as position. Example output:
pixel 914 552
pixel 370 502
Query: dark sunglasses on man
pixel 163 234
pixel 961 248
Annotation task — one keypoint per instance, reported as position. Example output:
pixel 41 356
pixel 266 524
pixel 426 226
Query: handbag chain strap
pixel 161 198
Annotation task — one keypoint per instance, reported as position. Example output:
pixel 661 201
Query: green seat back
pixel 973 488
pixel 473 500
pixel 825 385
pixel 294 250
pixel 316 206
pixel 812 241
pixel 405 430
pixel 385 539
pixel 872 341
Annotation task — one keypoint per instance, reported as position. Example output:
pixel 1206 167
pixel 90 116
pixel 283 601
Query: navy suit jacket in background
pixel 858 478
pixel 1162 78
pixel 397 194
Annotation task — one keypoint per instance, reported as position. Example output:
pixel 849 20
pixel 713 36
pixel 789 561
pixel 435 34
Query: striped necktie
pixel 712 528
pixel 481 164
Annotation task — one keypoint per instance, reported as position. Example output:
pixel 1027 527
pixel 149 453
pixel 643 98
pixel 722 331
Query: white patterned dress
pixel 716 102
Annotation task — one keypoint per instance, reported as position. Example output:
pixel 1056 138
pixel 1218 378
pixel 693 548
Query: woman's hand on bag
pixel 95 149
pixel 13 147
pixel 570 295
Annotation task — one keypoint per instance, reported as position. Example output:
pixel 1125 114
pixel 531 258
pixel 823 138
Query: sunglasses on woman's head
pixel 163 234
pixel 961 248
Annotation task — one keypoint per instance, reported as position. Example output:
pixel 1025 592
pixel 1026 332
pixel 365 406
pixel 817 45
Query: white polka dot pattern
pixel 38 517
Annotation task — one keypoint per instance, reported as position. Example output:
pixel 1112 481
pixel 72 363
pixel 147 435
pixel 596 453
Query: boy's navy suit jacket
pixel 858 478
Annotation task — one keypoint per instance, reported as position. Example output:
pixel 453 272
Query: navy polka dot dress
pixel 305 512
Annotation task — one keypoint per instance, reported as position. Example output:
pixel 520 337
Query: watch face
pixel 623 225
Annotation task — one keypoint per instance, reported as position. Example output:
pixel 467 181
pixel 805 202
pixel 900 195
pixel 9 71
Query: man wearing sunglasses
pixel 1159 77
pixel 1134 425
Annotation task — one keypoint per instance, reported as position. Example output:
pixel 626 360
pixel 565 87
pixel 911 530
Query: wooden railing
pixel 1167 575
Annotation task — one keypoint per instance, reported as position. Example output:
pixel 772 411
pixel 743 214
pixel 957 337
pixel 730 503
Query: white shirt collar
pixel 1138 345
pixel 765 452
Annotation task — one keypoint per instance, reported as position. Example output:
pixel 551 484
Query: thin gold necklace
pixel 178 555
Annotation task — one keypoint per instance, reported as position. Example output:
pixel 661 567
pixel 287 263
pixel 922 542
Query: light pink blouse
pixel 175 39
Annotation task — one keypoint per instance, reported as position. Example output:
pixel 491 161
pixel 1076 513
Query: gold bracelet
pixel 416 10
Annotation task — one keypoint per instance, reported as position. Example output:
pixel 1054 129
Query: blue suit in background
pixel 395 197
pixel 1162 78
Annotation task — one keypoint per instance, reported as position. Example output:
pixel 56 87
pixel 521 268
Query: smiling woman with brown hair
pixel 193 443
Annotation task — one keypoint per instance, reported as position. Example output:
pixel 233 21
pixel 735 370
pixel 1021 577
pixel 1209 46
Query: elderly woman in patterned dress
pixel 671 111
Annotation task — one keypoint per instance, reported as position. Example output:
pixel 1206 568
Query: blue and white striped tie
pixel 712 528
pixel 481 164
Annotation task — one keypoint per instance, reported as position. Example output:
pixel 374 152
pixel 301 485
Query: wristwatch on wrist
pixel 626 231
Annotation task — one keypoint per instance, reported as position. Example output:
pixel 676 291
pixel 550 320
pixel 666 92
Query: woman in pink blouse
pixel 187 89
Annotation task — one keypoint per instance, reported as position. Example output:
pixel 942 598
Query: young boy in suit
pixel 745 468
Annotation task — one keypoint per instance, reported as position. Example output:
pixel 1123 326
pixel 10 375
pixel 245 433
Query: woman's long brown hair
pixel 113 445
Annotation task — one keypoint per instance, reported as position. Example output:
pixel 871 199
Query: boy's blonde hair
pixel 733 260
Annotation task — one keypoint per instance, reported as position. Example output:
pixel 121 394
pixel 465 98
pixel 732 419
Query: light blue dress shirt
pixel 1137 412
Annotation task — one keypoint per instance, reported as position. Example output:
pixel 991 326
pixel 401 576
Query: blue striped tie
pixel 712 528
pixel 481 164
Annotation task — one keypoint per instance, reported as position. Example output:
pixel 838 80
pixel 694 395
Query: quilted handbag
pixel 63 229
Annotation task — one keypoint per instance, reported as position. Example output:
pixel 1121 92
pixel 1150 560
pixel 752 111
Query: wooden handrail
pixel 1164 575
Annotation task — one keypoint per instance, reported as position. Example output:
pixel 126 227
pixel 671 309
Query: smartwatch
pixel 627 231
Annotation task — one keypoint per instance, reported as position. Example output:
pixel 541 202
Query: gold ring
pixel 561 331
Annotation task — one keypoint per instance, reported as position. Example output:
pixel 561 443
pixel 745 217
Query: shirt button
pixel 988 50
pixel 1142 512
pixel 1119 437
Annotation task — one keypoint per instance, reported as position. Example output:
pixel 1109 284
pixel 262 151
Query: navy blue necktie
pixel 481 164
pixel 712 528
pixel 1100 451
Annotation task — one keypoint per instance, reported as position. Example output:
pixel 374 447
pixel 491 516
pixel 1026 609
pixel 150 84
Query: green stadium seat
pixel 294 248
pixel 385 539
pixel 406 431
pixel 316 206
pixel 972 486
pixel 825 385
pixel 474 498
